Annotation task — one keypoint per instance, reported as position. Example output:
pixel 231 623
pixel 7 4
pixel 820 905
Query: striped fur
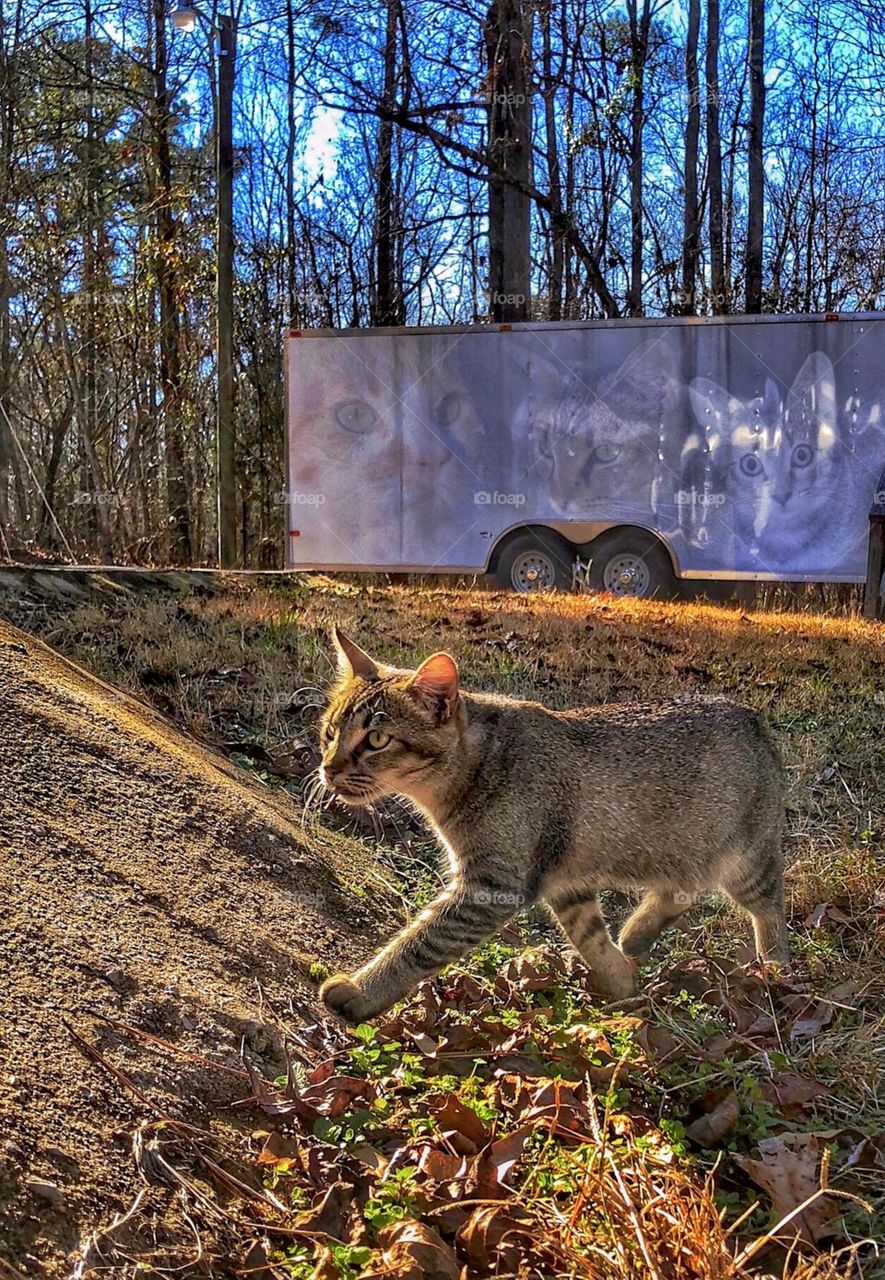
pixel 533 805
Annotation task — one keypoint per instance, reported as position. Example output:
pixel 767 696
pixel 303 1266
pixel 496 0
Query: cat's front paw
pixel 618 979
pixel 343 997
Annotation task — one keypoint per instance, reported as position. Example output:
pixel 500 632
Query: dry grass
pixel 246 667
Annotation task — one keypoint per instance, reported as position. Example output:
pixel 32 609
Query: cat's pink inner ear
pixel 436 681
pixel 352 660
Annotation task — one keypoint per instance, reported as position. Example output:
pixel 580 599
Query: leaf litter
pixel 501 1123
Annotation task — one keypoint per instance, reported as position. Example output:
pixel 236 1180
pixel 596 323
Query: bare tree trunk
pixel 714 162
pixel 180 550
pixel 812 227
pixel 755 174
pixel 568 194
pixel 557 264
pixel 690 236
pixel 7 135
pixel 639 28
pixel 291 243
pixel 508 38
pixel 386 306
pixel 732 250
pixel 90 471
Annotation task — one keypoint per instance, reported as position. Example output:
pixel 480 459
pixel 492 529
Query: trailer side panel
pixel 751 448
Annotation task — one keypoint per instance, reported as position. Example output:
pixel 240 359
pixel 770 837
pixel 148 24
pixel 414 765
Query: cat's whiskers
pixel 312 793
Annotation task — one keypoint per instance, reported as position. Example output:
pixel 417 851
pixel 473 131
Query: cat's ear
pixel 647 382
pixel 811 403
pixel 436 684
pixel 353 662
pixel 710 402
pixel 714 410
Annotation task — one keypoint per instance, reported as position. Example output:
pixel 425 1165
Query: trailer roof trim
pixel 545 326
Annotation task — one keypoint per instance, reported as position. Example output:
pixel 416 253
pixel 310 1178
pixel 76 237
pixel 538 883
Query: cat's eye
pixel 356 416
pixel 803 455
pixel 750 465
pixel 448 409
pixel 606 452
pixel 377 739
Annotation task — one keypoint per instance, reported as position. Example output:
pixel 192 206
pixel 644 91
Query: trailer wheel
pixel 631 562
pixel 536 561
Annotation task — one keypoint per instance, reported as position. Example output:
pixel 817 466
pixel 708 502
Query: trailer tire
pixel 631 562
pixel 537 560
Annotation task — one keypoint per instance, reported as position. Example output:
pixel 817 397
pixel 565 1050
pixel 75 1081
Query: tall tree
pixel 387 303
pixel 508 40
pixel 755 159
pixel 718 287
pixel 640 22
pixel 166 270
pixel 691 215
pixel 556 274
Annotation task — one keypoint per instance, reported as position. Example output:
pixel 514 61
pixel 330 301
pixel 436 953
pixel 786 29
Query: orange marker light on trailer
pixel 294 533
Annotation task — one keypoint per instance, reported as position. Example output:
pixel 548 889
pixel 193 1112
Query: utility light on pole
pixel 184 18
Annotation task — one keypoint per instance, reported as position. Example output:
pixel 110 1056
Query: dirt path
pixel 142 877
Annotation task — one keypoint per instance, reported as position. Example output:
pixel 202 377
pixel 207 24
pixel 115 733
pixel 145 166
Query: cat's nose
pixel 330 773
pixel 332 768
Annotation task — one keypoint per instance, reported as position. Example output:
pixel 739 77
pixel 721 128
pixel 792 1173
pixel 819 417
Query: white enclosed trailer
pixel 730 448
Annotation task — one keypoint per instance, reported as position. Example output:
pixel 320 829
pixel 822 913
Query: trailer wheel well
pixel 506 538
pixel 624 530
pixel 534 558
pixel 581 548
pixel 633 561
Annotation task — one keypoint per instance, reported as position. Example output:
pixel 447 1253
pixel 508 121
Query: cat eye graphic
pixel 356 416
pixel 377 739
pixel 803 455
pixel 751 465
pixel 448 409
pixel 605 453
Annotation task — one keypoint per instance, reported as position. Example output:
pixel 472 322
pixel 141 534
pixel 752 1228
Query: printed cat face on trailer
pixel 599 444
pixel 785 468
pixel 381 442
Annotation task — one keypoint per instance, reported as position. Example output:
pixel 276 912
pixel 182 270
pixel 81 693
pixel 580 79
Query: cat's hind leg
pixel 758 887
pixel 577 912
pixel 643 928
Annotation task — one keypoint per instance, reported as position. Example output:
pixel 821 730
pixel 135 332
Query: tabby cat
pixel 552 806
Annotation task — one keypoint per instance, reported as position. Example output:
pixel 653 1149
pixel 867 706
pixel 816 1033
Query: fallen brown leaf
pixel 412 1251
pixel 712 1128
pixel 789 1172
pixel 460 1124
